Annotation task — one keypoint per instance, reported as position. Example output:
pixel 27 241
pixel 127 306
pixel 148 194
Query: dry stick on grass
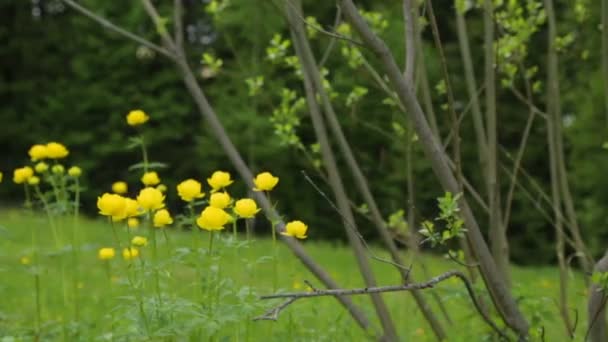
pixel 291 297
pixel 218 130
pixel 495 282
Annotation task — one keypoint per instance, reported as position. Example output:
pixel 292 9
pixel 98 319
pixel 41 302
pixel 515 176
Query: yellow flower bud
pixel 34 180
pixel 22 174
pixel 151 199
pixel 130 253
pixel 119 187
pixel 25 260
pixel 213 219
pixel 219 200
pixel 162 218
pixel 246 208
pixel 41 167
pixel 219 180
pixel 137 117
pixel 162 188
pixel 265 181
pixel 1 175
pixel 139 241
pixel 150 178
pixel 190 189
pixel 56 150
pixel 75 171
pixel 38 152
pixel 106 253
pixel 133 223
pixel 58 169
pixel 296 229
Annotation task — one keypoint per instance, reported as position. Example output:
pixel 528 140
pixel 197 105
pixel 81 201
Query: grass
pixel 108 304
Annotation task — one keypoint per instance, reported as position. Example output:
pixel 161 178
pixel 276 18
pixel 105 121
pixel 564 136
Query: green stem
pixel 144 153
pixel 76 252
pixel 155 262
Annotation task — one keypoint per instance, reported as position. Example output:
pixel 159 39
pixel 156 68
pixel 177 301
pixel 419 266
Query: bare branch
pixel 111 26
pixel 332 41
pixel 178 25
pixel 410 51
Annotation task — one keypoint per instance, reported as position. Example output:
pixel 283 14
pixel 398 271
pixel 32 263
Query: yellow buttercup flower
pixel 22 174
pixel 137 117
pixel 112 205
pixel 296 229
pixel 106 253
pixel 131 208
pixel 150 178
pixel 58 169
pixel 139 241
pixel 75 171
pixel 38 152
pixel 219 200
pixel 219 180
pixel 133 222
pixel 246 208
pixel 130 253
pixel 41 167
pixel 34 180
pixel 162 218
pixel 190 189
pixel 265 181
pixel 119 187
pixel 151 199
pixel 213 219
pixel 56 150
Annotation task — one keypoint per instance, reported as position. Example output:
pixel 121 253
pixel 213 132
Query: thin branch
pixel 431 283
pixel 178 25
pixel 109 25
pixel 410 51
pixel 332 41
pixel 273 313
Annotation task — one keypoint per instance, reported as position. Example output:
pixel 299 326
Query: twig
pixel 293 296
pixel 332 41
pixel 353 229
pixel 109 25
pixel 455 259
pixel 410 52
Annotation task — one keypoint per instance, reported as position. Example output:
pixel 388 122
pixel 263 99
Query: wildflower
pixel 246 208
pixel 265 181
pixel 38 152
pixel 119 187
pixel 22 174
pixel 162 218
pixel 213 218
pixel 130 253
pixel 219 200
pixel 25 260
pixel 150 178
pixel 218 180
pixel 151 199
pixel 131 207
pixel 133 223
pixel 34 180
pixel 162 188
pixel 75 171
pixel 296 229
pixel 137 117
pixel 56 150
pixel 190 189
pixel 139 241
pixel 58 169
pixel 106 253
pixel 41 167
pixel 112 205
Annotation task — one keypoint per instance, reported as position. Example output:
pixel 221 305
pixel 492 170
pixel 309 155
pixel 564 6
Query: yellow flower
pixel 212 219
pixel 190 189
pixel 265 181
pixel 162 218
pixel 22 174
pixel 112 205
pixel 218 180
pixel 38 152
pixel 151 199
pixel 75 171
pixel 131 207
pixel 139 241
pixel 106 253
pixel 219 200
pixel 34 180
pixel 296 229
pixel 162 188
pixel 130 253
pixel 150 178
pixel 56 150
pixel 57 169
pixel 246 208
pixel 41 167
pixel 119 187
pixel 133 223
pixel 25 260
pixel 137 117
pixel 1 175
